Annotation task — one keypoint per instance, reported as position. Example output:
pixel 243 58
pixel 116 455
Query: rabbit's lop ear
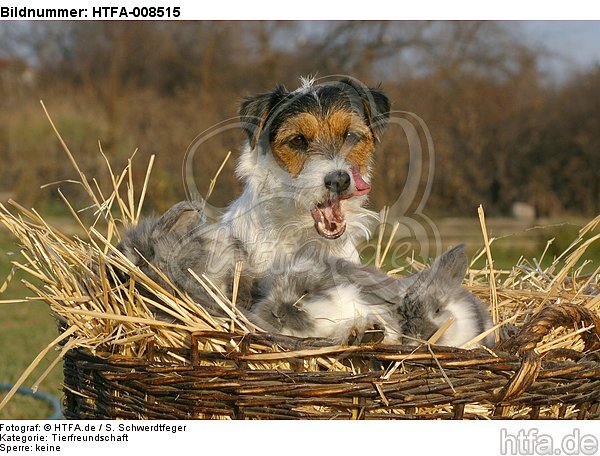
pixel 449 269
pixel 179 219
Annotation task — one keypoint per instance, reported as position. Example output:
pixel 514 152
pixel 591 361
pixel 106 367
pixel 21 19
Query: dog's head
pixel 322 137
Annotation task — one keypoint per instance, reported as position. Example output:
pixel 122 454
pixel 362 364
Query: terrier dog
pixel 306 169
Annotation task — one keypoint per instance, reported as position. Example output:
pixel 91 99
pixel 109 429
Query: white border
pixel 352 9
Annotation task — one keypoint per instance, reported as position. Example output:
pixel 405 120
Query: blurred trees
pixel 501 133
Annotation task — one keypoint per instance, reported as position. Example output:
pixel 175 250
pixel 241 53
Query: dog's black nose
pixel 337 181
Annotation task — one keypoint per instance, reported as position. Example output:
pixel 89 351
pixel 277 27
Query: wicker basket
pixel 430 383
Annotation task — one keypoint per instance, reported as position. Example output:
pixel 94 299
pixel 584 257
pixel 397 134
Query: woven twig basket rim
pixel 516 376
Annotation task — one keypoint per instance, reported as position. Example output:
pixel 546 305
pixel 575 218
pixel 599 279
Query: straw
pixel 492 282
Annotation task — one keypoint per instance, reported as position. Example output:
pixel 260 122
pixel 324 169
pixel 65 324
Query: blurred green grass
pixel 25 330
pixel 512 243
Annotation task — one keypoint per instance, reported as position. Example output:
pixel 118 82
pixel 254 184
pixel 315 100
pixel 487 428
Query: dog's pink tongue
pixel 362 188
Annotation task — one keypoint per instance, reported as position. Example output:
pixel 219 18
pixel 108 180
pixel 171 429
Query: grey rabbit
pixel 178 241
pixel 347 298
pixel 435 295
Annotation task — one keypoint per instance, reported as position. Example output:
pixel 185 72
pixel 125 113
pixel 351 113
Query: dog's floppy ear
pixel 255 110
pixel 375 103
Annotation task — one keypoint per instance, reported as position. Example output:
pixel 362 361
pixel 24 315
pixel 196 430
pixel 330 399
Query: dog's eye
pixel 437 311
pixel 353 136
pixel 299 142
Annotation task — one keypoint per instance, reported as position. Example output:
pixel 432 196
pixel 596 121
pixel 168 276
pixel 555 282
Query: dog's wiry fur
pixel 294 140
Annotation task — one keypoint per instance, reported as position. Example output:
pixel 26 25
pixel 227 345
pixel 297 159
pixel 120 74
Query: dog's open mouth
pixel 329 219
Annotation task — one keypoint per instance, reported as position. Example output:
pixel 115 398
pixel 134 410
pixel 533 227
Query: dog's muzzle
pixel 329 218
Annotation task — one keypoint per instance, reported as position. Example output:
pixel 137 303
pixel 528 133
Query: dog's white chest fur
pixel 271 219
pixel 272 237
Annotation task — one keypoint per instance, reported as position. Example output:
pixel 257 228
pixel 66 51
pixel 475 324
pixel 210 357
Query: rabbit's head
pixel 281 301
pixel 430 301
